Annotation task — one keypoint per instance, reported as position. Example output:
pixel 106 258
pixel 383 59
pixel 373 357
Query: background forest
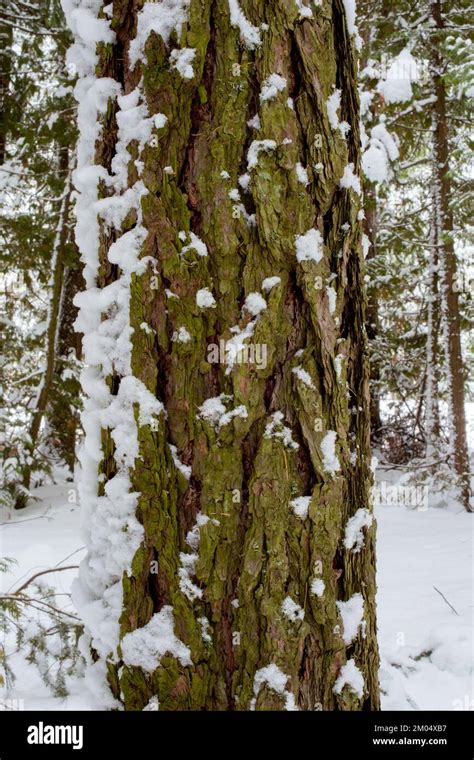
pixel 416 84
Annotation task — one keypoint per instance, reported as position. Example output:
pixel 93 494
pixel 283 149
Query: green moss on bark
pixel 254 550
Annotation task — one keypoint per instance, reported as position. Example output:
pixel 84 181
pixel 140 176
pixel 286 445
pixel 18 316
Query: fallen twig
pixel 448 603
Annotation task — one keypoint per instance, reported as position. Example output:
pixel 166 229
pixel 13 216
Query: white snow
pixel 256 147
pixel 236 346
pixel 375 163
pixel 331 463
pixel 271 87
pixel 309 247
pixel 205 299
pixel 304 376
pixel 351 677
pixel 255 304
pixel 397 85
pixel 163 18
pixel 269 283
pixel 275 679
pixel 196 244
pixel 365 245
pixel 333 104
pixel 354 536
pixel 193 537
pixel 213 408
pixel 184 469
pixel 152 706
pixel 146 646
pixel 182 60
pixel 352 614
pixel 186 569
pixel 244 181
pixel 381 149
pixel 317 586
pixel 304 10
pixel 181 336
pixel 276 428
pixel 205 627
pixel 426 649
pixel 250 34
pixel 239 411
pixel 160 120
pixel 300 506
pixel 350 8
pixel 350 180
pixel 302 174
pixel 292 610
pixel 254 122
pixel 332 298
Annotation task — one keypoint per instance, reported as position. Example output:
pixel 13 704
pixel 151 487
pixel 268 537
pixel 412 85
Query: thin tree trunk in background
pixel 447 266
pixel 367 9
pixel 432 421
pixel 63 421
pixel 370 229
pixel 6 39
pixel 250 588
pixel 54 309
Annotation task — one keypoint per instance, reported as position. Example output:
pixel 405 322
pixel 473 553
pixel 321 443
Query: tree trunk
pixel 431 392
pixel 54 310
pixel 373 326
pixel 63 417
pixel 447 266
pixel 6 40
pixel 226 501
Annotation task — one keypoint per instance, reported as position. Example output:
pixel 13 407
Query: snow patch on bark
pixel 145 647
pixel 309 247
pixel 350 676
pixel 352 614
pixel 271 87
pixel 331 463
pixel 276 428
pixel 300 506
pixel 292 610
pixel 250 34
pixel 354 535
pixel 163 18
pixel 275 679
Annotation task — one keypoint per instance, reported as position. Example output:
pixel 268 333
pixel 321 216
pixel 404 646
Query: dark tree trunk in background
pixel 6 39
pixel 447 266
pixel 370 229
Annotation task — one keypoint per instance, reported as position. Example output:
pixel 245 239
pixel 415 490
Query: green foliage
pixel 34 625
pixel 399 272
pixel 38 133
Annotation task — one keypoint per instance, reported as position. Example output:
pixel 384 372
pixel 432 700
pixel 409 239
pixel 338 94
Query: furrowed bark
pixel 254 550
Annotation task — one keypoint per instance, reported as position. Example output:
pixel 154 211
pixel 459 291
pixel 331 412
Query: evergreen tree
pixel 38 135
pixel 227 501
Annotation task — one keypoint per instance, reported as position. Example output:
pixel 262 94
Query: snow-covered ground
pixel 44 535
pixel 426 648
